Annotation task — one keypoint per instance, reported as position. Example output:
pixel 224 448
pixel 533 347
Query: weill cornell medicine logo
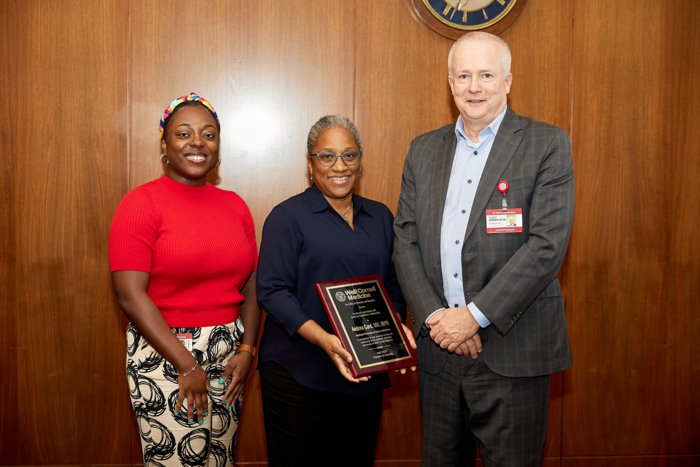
pixel 340 296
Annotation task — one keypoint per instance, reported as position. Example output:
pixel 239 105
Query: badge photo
pixel 499 221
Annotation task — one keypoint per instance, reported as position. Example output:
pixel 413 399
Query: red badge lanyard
pixel 503 188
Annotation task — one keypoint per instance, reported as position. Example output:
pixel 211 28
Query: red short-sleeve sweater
pixel 197 244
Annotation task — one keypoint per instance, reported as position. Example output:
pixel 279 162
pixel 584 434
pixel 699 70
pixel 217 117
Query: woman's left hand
pixel 237 370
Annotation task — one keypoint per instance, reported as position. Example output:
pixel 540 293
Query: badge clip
pixel 503 188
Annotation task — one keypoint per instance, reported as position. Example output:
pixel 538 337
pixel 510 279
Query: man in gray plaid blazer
pixel 482 228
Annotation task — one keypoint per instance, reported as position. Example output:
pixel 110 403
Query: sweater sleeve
pixel 249 227
pixel 133 233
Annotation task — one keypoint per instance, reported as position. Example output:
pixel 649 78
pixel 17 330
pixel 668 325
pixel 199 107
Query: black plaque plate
pixel 366 324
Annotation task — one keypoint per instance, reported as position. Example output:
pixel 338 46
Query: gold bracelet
pixel 186 373
pixel 246 348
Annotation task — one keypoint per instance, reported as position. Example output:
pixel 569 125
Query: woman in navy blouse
pixel 315 412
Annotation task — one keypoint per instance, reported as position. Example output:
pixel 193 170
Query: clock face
pixel 469 15
pixel 452 18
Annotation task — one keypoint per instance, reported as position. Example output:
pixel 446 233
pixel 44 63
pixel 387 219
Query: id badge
pixel 500 221
pixel 186 339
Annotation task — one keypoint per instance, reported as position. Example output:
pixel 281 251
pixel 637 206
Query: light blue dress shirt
pixel 467 168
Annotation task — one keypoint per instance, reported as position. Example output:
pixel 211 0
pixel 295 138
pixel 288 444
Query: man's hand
pixel 455 330
pixel 471 347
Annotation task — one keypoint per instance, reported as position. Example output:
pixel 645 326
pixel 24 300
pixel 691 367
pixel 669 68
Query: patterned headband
pixel 187 97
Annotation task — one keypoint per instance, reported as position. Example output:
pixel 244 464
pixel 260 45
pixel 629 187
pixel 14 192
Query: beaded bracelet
pixel 185 373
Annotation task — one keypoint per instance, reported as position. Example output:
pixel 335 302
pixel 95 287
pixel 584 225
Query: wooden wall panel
pixel 87 81
pixel 64 135
pixel 271 70
pixel 541 45
pixel 679 272
pixel 11 51
pixel 633 461
pixel 401 91
pixel 635 256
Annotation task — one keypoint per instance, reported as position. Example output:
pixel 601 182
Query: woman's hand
pixel 239 365
pixel 237 369
pixel 340 357
pixel 131 290
pixel 193 389
pixel 411 342
pixel 330 344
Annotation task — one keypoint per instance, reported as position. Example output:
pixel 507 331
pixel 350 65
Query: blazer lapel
pixel 504 147
pixel 440 179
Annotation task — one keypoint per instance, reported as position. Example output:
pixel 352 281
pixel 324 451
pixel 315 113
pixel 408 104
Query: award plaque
pixel 367 325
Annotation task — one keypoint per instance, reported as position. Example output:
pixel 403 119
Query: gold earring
pixel 163 159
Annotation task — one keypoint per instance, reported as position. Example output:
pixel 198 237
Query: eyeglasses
pixel 327 159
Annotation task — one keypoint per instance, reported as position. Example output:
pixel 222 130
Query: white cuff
pixel 478 315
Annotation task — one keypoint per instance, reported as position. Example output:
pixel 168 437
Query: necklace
pixel 345 216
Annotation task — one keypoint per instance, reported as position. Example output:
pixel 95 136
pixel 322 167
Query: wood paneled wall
pixel 85 84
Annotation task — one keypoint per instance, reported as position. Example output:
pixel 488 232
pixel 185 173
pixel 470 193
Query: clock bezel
pixel 420 10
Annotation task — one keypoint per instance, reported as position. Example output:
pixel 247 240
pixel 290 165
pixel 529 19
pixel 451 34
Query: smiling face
pixel 337 181
pixel 479 82
pixel 191 145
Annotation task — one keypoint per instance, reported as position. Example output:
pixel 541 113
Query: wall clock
pixel 454 18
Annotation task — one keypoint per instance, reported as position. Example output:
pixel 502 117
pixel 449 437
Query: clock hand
pixel 459 4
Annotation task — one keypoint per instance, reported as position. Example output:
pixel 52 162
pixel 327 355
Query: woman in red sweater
pixel 183 256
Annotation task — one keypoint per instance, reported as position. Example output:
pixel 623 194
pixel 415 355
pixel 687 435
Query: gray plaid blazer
pixel 512 278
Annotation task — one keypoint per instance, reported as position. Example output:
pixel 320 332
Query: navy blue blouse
pixel 305 241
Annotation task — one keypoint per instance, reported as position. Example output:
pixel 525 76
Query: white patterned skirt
pixel 170 439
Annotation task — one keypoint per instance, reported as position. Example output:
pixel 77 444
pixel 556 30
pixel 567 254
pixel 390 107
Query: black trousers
pixel 305 427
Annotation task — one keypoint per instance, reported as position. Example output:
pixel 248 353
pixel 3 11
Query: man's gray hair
pixel 480 36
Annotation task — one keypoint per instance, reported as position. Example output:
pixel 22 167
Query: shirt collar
pixel 490 128
pixel 318 202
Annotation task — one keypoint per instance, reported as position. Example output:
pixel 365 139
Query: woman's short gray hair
pixel 331 121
